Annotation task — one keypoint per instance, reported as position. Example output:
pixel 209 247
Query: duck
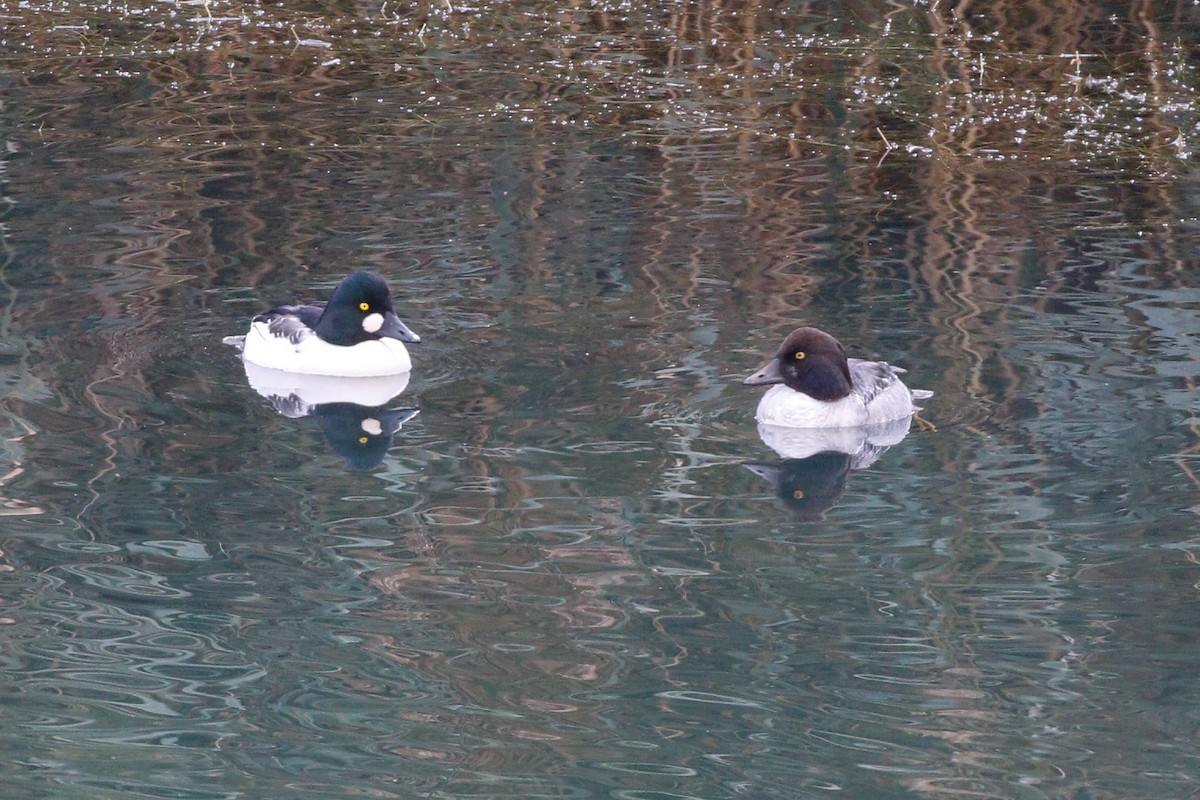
pixel 355 334
pixel 814 385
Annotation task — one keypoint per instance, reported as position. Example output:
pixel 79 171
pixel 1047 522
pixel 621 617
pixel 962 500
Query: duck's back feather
pixel 294 323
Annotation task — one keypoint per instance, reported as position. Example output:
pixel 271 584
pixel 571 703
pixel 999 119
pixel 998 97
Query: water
pixel 579 571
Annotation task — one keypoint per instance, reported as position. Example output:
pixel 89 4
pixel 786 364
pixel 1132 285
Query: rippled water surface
pixel 580 571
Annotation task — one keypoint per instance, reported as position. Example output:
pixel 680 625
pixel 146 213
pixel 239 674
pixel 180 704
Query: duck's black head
pixel 809 361
pixel 361 310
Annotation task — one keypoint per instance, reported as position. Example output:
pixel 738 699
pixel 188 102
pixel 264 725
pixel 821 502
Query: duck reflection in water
pixel 350 411
pixel 808 487
pixel 811 478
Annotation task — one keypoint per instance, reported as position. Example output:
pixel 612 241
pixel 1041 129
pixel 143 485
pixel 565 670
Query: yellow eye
pixel 362 440
pixel 799 356
pixel 798 494
pixel 364 306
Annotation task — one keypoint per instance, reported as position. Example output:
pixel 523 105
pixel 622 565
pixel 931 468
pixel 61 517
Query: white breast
pixel 791 409
pixel 311 355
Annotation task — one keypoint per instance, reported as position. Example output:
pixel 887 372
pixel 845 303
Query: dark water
pixel 561 579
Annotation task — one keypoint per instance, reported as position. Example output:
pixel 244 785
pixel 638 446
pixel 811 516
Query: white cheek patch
pixel 371 426
pixel 372 322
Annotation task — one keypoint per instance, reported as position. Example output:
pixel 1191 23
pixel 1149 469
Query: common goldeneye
pixel 356 334
pixel 821 388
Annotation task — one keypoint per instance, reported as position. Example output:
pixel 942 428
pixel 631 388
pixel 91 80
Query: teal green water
pixel 579 571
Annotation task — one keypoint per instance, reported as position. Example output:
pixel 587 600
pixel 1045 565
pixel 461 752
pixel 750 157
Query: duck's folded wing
pixel 872 378
pixel 294 323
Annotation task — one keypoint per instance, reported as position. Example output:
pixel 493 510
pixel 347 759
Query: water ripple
pixel 121 579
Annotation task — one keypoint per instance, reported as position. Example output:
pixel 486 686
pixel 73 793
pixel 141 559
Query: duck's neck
pixel 826 382
pixel 336 326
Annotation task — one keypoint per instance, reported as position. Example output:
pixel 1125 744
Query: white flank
pixel 313 356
